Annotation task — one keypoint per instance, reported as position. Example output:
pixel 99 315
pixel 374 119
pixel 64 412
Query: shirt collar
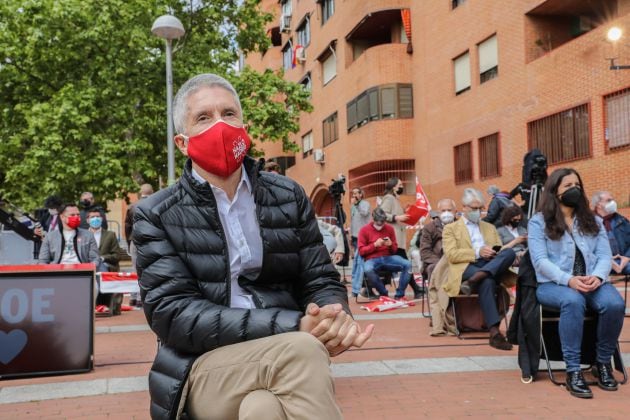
pixel 244 179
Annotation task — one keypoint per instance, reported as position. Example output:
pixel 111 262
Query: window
pixel 381 102
pixel 489 156
pixel 328 9
pixel 307 83
pixel 329 65
pixel 307 144
pixel 457 3
pixel 287 56
pixel 330 129
pixel 463 163
pixel 286 7
pixel 488 59
pixel 562 136
pixel 617 124
pixel 461 66
pixel 304 32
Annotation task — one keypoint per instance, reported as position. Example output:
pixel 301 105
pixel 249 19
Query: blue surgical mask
pixel 96 222
pixel 474 216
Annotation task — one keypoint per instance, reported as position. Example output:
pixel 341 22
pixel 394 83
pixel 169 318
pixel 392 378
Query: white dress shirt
pixel 476 238
pixel 242 233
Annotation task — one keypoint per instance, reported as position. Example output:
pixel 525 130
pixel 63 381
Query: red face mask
pixel 74 222
pixel 220 149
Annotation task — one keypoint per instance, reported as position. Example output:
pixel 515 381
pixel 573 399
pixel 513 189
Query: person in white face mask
pixel 617 228
pixel 477 262
pixel 431 240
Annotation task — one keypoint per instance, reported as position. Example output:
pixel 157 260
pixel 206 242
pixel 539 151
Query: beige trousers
pixel 285 376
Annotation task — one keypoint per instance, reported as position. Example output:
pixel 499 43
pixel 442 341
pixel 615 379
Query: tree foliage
pixel 83 88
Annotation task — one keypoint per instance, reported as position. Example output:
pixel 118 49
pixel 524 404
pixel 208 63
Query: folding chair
pixel 385 276
pixel 551 348
pixel 468 317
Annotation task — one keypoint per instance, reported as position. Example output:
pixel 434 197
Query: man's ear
pixel 181 144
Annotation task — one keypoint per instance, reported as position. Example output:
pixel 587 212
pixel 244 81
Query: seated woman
pixel 512 234
pixel 571 256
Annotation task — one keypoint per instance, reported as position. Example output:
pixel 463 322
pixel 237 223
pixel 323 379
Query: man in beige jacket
pixel 476 261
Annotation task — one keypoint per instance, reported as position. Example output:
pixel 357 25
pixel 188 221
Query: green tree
pixel 82 90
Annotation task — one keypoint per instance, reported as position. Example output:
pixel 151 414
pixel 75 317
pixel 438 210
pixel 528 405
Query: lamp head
pixel 168 27
pixel 614 34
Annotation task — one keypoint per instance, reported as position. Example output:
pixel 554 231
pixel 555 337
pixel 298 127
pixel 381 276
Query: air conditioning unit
pixel 318 155
pixel 285 23
pixel 300 54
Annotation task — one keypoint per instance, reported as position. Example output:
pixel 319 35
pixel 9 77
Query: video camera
pixel 337 187
pixel 534 168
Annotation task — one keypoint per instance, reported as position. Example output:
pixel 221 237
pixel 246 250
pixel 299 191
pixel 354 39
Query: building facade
pixel 454 92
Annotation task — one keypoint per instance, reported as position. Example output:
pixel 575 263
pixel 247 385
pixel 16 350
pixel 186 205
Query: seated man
pixel 472 248
pixel 377 246
pixel 431 240
pixel 617 228
pixel 235 279
pixel 333 240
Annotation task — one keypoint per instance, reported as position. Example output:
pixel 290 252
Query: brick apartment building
pixel 453 91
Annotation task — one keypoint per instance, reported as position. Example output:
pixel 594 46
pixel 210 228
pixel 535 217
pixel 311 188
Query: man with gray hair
pixel 617 228
pixel 235 279
pixel 477 261
pixel 431 239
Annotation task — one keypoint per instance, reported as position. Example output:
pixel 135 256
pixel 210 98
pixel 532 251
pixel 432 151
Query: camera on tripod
pixel 538 173
pixel 337 187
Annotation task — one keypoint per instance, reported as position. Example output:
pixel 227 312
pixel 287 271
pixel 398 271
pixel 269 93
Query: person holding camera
pixel 571 256
pixel 378 246
pixel 396 217
pixel 477 261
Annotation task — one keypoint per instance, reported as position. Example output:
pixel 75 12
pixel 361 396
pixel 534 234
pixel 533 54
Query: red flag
pixel 421 208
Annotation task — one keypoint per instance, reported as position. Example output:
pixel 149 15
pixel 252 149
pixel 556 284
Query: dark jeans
pixel 486 288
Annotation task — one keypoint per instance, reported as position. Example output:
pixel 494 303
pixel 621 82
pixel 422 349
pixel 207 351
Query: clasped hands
pixel 336 329
pixel 584 284
pixel 623 262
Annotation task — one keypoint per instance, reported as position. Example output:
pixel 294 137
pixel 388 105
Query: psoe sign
pixel 46 320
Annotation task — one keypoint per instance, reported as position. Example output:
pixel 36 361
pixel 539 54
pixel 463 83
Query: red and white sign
pixel 118 282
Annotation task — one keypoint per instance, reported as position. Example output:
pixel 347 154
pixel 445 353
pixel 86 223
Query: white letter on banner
pixel 39 304
pixel 22 306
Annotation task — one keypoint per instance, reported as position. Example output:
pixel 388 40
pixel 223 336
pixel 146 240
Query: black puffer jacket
pixel 184 274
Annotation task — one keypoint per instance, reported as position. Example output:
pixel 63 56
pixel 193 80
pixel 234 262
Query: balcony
pixel 556 22
pixel 376 28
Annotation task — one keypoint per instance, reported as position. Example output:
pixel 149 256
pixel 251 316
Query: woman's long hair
pixel 550 207
pixel 391 184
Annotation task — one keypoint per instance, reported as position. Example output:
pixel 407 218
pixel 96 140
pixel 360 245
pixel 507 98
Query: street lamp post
pixel 168 27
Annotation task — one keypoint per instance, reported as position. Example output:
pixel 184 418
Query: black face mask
pixel 86 203
pixel 400 190
pixel 571 197
pixel 515 223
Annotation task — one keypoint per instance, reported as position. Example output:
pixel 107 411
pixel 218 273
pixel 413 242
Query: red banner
pixel 421 208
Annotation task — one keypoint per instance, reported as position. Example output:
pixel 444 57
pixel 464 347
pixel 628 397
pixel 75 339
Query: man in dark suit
pixel 106 240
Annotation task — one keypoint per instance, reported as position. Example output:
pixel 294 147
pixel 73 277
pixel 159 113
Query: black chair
pixel 551 348
pixel 385 276
pixel 468 317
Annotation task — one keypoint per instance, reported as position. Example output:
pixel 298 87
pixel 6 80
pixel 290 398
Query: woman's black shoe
pixel 605 378
pixel 577 386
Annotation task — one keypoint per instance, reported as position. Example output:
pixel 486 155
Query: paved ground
pixel 401 374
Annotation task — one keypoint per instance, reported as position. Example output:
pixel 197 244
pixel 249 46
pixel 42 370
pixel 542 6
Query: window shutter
pixel 405 101
pixel 329 67
pixel 488 54
pixel 363 109
pixel 462 72
pixel 388 102
pixel 373 95
pixel 351 115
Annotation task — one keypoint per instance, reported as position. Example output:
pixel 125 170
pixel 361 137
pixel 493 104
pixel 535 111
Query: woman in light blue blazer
pixel 572 258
